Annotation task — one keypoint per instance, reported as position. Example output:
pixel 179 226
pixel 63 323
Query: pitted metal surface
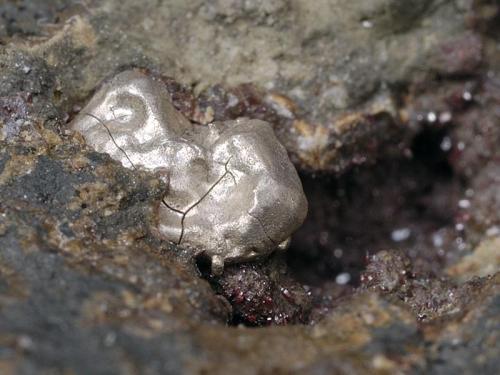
pixel 233 193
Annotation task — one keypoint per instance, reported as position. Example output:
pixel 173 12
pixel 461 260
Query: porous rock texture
pixel 389 110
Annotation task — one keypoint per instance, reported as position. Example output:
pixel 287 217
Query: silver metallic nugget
pixel 233 193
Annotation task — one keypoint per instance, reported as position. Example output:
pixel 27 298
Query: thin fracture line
pixel 275 243
pixel 172 208
pixel 203 197
pixel 112 138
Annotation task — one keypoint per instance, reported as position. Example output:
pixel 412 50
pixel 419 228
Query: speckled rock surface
pixel 390 110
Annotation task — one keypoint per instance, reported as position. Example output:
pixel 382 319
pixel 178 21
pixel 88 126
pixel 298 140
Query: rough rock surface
pixel 389 109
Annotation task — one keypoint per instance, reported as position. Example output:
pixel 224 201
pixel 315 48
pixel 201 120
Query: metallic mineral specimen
pixel 233 193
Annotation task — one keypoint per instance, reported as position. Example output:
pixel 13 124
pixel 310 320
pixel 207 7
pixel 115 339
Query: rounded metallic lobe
pixel 233 192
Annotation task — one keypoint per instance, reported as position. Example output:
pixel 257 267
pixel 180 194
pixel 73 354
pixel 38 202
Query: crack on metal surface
pixel 172 208
pixel 183 219
pixel 111 136
pixel 275 243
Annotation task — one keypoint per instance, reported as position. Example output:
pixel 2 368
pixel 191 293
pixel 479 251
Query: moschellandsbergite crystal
pixel 232 191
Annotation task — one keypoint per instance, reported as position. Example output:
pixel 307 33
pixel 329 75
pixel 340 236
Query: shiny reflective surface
pixel 233 193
